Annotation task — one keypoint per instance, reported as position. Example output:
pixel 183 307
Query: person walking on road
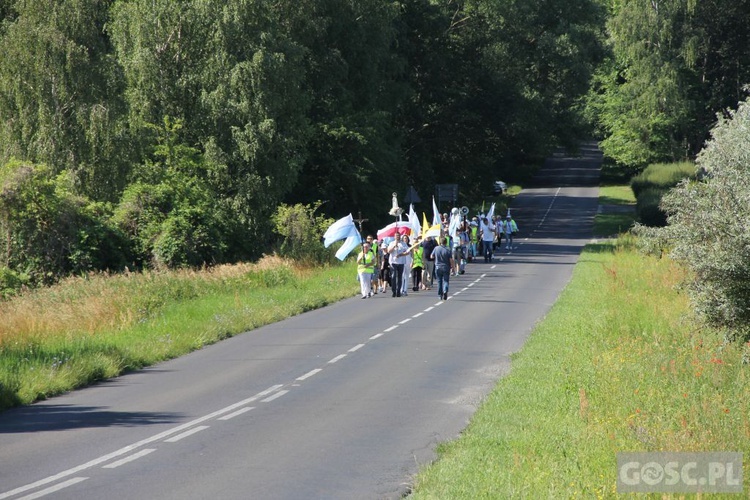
pixel 509 229
pixel 365 265
pixel 397 251
pixel 428 245
pixel 443 265
pixel 416 268
pixel 488 238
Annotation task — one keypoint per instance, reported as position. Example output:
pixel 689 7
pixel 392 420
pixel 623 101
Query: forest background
pixel 160 134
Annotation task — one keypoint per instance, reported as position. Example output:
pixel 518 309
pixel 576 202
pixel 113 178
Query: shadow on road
pixel 62 417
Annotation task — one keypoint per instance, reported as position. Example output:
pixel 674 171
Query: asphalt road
pixel 343 402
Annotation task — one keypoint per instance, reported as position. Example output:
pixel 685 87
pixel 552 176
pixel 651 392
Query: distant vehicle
pixel 499 187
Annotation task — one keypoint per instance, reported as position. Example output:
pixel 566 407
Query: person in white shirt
pixel 488 238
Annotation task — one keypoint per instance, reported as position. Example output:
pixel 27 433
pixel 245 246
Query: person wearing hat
pixel 509 229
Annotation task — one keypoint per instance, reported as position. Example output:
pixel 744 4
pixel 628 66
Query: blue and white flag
pixel 343 228
pixel 350 244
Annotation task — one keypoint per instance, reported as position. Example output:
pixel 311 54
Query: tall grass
pixel 99 326
pixel 662 176
pixel 619 364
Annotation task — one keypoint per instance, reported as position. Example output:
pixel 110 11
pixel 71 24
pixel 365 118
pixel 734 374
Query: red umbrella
pixel 390 230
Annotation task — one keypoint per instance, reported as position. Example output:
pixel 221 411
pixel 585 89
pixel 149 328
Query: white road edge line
pixel 185 434
pixel 52 489
pixel 129 459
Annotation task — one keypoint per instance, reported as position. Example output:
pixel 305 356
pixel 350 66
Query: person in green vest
pixel 365 265
pixel 473 237
pixel 376 268
pixel 416 268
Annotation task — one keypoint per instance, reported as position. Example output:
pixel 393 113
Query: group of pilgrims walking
pixel 399 266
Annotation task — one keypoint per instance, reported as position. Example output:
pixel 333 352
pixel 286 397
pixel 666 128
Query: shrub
pixel 708 224
pixel 11 282
pixel 47 231
pixel 302 233
pixel 170 213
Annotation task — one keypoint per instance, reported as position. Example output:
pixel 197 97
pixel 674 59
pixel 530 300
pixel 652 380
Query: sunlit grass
pixel 616 195
pixel 619 364
pixel 87 329
pixel 611 222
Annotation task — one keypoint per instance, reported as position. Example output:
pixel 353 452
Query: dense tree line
pixel 673 65
pixel 172 131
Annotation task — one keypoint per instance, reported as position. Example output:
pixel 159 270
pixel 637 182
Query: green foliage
pixel 708 224
pixel 277 102
pixel 11 282
pixel 674 64
pixel 47 232
pixel 170 213
pixel 60 94
pixel 302 232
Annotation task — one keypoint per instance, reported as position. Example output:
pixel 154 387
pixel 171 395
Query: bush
pixel 302 233
pixel 708 224
pixel 47 231
pixel 11 282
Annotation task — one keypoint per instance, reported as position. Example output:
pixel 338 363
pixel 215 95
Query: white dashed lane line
pixel 237 413
pixel 185 434
pixel 309 374
pixel 337 358
pixel 134 456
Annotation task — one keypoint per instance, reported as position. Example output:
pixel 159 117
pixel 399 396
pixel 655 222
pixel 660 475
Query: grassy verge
pixel 619 364
pixel 87 329
pixel 611 222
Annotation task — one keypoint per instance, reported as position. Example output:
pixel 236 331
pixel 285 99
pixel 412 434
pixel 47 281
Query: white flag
pixel 491 213
pixel 416 227
pixel 435 213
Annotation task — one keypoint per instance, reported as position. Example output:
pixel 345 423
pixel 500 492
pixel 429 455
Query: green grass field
pixel 87 329
pixel 619 364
